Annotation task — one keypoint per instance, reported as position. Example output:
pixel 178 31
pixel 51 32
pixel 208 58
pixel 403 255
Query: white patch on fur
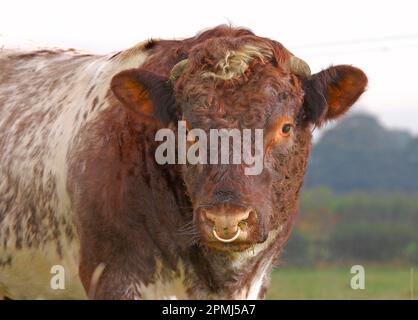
pixel 258 281
pixel 240 258
pixel 166 288
pixel 46 143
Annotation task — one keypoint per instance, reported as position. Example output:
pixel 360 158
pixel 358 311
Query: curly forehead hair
pixel 236 62
pixel 229 58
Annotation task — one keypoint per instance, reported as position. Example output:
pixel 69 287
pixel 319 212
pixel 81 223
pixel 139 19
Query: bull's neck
pixel 233 275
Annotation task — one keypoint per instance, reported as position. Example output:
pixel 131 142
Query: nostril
pixel 247 214
pixel 209 216
pixel 247 218
pixel 243 224
pixel 202 216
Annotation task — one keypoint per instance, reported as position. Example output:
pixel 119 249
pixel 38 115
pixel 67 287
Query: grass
pixel 334 283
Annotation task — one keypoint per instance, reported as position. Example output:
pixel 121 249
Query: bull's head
pixel 244 83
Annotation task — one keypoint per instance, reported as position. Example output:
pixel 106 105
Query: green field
pixel 334 283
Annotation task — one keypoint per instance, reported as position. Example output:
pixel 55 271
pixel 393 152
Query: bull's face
pixel 240 86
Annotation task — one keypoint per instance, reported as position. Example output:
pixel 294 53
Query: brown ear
pixel 331 92
pixel 145 93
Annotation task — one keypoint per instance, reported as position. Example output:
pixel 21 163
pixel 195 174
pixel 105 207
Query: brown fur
pixel 133 215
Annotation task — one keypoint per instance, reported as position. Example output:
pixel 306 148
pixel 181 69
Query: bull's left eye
pixel 286 129
pixel 282 131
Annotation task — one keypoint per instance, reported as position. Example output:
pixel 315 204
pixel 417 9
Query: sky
pixel 380 37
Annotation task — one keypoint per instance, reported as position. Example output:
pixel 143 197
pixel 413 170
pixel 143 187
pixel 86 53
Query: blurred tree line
pixel 360 154
pixel 360 199
pixel 354 227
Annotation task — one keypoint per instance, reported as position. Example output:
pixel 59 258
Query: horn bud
pixel 178 69
pixel 299 67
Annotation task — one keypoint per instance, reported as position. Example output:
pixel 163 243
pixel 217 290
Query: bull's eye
pixel 281 131
pixel 286 129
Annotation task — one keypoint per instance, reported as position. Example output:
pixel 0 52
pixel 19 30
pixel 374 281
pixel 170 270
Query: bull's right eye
pixel 286 129
pixel 281 132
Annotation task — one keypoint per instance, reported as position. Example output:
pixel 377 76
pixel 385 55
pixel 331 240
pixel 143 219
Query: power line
pixel 357 41
pixel 344 47
pixel 381 49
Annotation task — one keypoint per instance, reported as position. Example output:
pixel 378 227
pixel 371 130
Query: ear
pixel 331 92
pixel 147 94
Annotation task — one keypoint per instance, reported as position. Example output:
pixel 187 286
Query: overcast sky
pixel 381 37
